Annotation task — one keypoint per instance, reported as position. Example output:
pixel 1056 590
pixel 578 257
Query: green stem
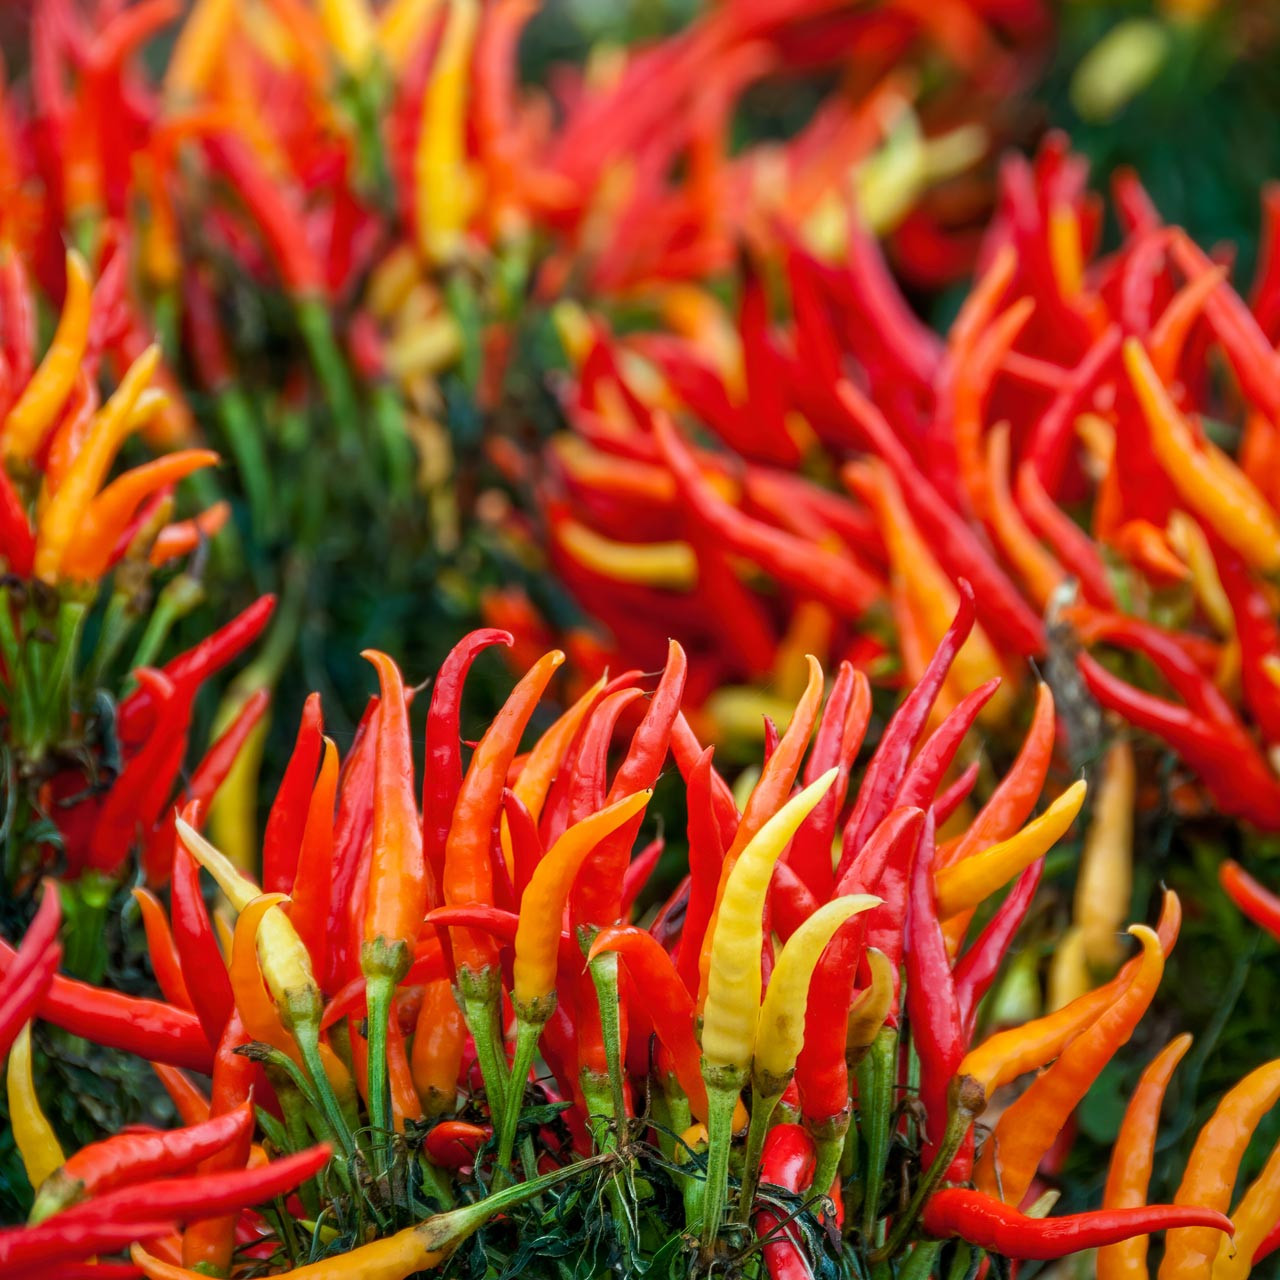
pixel 176 600
pixel 57 706
pixel 722 1101
pixel 959 1118
pixel 306 1034
pixel 830 1151
pixel 379 990
pixel 762 1109
pixel 528 1031
pixel 876 1077
pixel 116 622
pixel 330 367
pixel 480 1011
pixel 245 440
pixel 919 1266
pixel 604 974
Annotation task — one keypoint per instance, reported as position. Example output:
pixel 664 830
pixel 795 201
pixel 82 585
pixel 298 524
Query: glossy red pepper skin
pixel 937 1030
pixel 442 776
pixel 115 1021
pixel 282 838
pixel 1000 1228
pixel 16 538
pixel 889 763
pixel 452 1144
pixel 129 1158
pixel 706 856
pixel 1254 900
pixel 599 889
pixel 35 963
pixel 925 773
pixel 977 968
pixel 214 652
pixel 202 964
pixel 1258 634
pixel 788 1162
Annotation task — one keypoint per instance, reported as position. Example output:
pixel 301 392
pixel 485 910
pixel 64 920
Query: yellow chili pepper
pixel 27 422
pixel 1254 1217
pixel 731 1013
pixel 351 32
pixel 400 25
pixel 537 943
pixel 781 1028
pixel 1066 256
pixel 670 565
pixel 1188 540
pixel 443 181
pixel 85 475
pixel 780 1034
pixel 201 40
pixel 970 882
pixel 33 1135
pixel 869 1011
pixel 1068 969
pixel 1208 481
pixel 1105 882
pixel 1210 1175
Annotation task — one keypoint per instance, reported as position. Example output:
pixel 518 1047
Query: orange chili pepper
pixel 437 1048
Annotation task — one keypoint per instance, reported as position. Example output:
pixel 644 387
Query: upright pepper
pixel 399 879
pixel 1104 883
pixel 33 1135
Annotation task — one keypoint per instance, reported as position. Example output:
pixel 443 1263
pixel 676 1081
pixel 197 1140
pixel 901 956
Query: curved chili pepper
pixel 282 838
pixel 33 1135
pixel 925 773
pixel 1075 550
pixel 1210 1174
pixel 442 776
pixel 1129 1172
pixel 964 885
pixel 468 873
pixel 1028 1127
pixel 129 1158
pixel 1257 902
pixel 115 1021
pixel 191 1105
pixel 706 856
pixel 990 1224
pixel 668 1004
pixel 1258 634
pixel 309 907
pixel 201 961
pixel 166 965
pixel 30 418
pixel 597 895
pixel 35 963
pixel 888 764
pixel 836 744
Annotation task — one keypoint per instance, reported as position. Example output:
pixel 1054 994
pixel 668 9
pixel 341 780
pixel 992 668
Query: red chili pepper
pixel 442 777
pixel 166 964
pixel 835 580
pixel 213 653
pixel 201 961
pixel 706 858
pixel 115 1021
pixel 1224 756
pixel 1077 552
pixel 191 1105
pixel 282 838
pixel 952 797
pixel 526 842
pixel 787 1161
pixel 667 1005
pixel 934 758
pixel 990 1224
pixel 351 832
pixel 590 782
pixel 977 968
pixel 1257 902
pixel 29 977
pixel 17 541
pixel 687 749
pixel 309 905
pixel 33 1253
pixel 835 746
pixel 128 1158
pixel 453 1144
pixel 209 1243
pixel 1257 633
pixel 599 891
pixel 638 873
pixel 932 1005
pixel 1005 615
pixel 888 764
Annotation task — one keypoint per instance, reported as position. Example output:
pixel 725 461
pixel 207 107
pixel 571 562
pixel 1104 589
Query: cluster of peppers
pixel 440 1012
pixel 1091 444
